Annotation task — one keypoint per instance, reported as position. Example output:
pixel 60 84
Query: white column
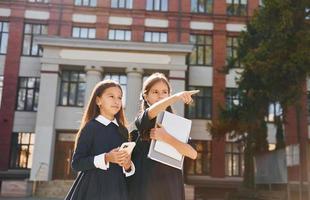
pixel 134 86
pixel 43 157
pixel 177 81
pixel 93 76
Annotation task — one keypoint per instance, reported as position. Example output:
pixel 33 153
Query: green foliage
pixel 275 56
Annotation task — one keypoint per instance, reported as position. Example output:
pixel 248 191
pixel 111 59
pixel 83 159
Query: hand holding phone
pixel 127 146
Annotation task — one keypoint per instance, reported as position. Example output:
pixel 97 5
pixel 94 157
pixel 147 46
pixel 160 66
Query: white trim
pixel 82 18
pixel 34 14
pixel 126 57
pixel 235 27
pixel 120 20
pixel 5 12
pixel 156 23
pixel 201 25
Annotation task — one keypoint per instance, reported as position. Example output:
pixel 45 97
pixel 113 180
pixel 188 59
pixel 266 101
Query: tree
pixel 274 54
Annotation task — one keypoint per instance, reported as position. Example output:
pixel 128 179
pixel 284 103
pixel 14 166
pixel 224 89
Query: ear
pixel 98 101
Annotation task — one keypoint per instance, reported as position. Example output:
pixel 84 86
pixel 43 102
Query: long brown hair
pixel 92 109
pixel 148 84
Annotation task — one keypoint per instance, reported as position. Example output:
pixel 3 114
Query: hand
pixel 126 163
pixel 159 133
pixel 186 96
pixel 116 156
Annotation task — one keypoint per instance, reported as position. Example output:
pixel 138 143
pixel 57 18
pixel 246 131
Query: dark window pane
pixel 72 94
pixel 72 90
pixel 201 108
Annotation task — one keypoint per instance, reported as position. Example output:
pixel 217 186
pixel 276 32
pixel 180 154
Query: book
pixel 177 126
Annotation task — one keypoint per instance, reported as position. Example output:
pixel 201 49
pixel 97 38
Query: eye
pixel 120 98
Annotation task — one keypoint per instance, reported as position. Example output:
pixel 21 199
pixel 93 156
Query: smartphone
pixel 127 146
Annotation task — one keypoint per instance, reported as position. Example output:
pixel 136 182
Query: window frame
pixel 204 99
pixel 39 52
pixel 205 11
pixel 235 8
pixel 161 8
pixel 232 46
pixel 115 32
pixel 80 32
pixel 87 4
pixel 159 36
pixel 2 32
pixel 16 148
pixel 70 82
pixel 128 4
pixel 35 89
pixel 205 47
pixel 232 153
pixel 205 160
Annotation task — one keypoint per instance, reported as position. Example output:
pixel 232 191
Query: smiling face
pixel 110 102
pixel 157 92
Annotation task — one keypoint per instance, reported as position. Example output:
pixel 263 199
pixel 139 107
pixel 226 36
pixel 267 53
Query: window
pixel 1 88
pixel 28 94
pixel 202 165
pixel 274 110
pixel 202 6
pixel 157 5
pixel 119 35
pixel 79 32
pixel 236 7
pixel 232 44
pixel 234 162
pixel 4 35
pixel 121 4
pixel 72 88
pixel 202 105
pixel 122 80
pixel 202 53
pixel 90 3
pixel 30 48
pixel 39 1
pixel 22 150
pixel 155 37
pixel 232 97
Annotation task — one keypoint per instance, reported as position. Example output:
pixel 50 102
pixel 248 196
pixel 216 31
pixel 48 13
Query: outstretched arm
pixel 156 108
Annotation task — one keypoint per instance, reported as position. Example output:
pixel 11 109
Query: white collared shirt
pixel 99 160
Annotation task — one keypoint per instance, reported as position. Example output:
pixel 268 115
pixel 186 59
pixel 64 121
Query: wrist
pixel 107 158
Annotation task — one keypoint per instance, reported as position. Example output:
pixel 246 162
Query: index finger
pixel 193 92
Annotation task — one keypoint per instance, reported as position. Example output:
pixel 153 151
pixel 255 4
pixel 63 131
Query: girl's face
pixel 110 102
pixel 157 92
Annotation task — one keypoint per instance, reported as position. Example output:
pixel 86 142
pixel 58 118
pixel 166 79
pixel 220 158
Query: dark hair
pixel 148 84
pixel 92 110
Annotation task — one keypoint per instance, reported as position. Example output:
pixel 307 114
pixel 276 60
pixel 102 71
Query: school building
pixel 53 52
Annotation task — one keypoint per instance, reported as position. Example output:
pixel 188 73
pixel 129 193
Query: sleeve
pixel 143 122
pixel 99 162
pixel 131 172
pixel 82 159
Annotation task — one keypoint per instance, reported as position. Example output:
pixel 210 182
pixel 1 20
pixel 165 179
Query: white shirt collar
pixel 103 120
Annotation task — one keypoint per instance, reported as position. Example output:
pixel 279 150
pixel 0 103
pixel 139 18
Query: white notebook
pixel 179 128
